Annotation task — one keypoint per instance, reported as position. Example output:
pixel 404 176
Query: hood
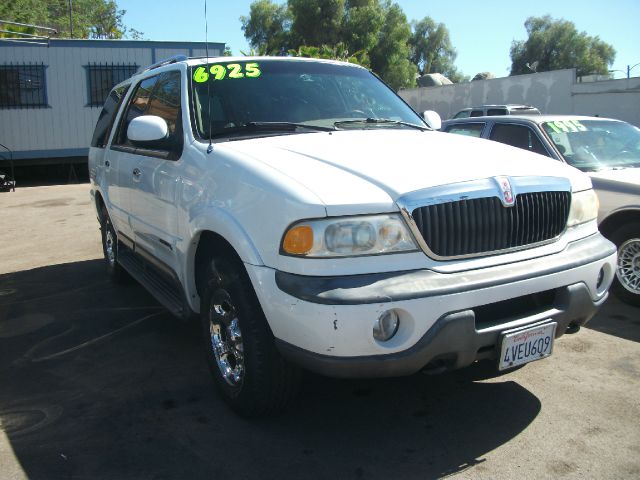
pixel 378 166
pixel 629 176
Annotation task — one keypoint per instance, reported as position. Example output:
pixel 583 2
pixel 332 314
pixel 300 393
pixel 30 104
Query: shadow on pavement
pixel 98 381
pixel 617 318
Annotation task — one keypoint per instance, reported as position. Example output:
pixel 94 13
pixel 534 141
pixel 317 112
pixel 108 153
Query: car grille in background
pixel 476 226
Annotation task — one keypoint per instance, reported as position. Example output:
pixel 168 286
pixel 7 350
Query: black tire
pixel 110 249
pixel 258 380
pixel 626 283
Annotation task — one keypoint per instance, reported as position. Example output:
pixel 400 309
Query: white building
pixel 50 96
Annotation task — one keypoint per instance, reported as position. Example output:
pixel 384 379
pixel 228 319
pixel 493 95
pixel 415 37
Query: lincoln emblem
pixel 508 199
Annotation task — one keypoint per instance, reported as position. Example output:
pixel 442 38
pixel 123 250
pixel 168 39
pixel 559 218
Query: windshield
pixel 593 145
pixel 227 96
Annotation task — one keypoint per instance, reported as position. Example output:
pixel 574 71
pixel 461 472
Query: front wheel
pixel 110 248
pixel 248 370
pixel 626 285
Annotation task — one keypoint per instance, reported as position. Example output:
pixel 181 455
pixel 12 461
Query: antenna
pixel 206 46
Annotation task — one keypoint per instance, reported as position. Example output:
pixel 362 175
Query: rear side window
pixel 517 136
pixel 476 113
pixel 497 111
pixel 470 129
pixel 107 116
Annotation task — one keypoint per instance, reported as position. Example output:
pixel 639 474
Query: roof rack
pixel 166 61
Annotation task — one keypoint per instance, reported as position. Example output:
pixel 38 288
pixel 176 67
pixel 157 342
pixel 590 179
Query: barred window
pixel 22 86
pixel 101 78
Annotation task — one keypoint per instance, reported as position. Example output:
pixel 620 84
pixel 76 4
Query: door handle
pixel 137 172
pixel 107 163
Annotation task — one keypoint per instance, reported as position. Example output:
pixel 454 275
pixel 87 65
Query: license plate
pixel 524 345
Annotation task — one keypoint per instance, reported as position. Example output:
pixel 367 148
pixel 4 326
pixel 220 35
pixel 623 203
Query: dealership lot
pixel 98 381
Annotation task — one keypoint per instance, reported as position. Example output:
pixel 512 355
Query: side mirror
pixel 433 119
pixel 147 128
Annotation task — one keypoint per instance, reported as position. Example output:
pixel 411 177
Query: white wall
pixel 551 92
pixel 66 126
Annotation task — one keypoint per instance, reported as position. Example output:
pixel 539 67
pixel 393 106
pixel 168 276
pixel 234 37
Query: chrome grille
pixel 483 225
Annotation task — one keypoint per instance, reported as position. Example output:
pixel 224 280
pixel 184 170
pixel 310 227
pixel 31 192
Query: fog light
pixel 386 326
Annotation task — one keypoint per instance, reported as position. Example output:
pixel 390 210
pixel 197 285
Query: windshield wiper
pixel 270 127
pixel 381 121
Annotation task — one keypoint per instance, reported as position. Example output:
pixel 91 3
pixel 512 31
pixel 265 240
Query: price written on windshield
pixel 232 71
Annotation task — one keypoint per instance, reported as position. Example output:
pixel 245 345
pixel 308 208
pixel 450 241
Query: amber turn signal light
pixel 298 240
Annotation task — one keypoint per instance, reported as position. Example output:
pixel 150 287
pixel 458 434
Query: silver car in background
pixel 606 149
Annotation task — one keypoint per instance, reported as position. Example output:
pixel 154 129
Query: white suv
pixel 311 219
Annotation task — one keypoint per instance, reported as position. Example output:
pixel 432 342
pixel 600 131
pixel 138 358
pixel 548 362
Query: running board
pixel 165 290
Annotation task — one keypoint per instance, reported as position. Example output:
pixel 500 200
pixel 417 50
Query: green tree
pixel 431 49
pixel 268 27
pixel 89 18
pixel 361 24
pixel 316 22
pixel 369 32
pixel 557 44
pixel 390 56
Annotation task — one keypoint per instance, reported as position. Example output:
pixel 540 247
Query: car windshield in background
pixel 593 145
pixel 265 96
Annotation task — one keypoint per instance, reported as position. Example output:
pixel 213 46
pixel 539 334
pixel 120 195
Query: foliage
pixel 89 18
pixel 316 22
pixel 390 56
pixel 373 33
pixel 557 44
pixel 267 28
pixel 431 48
pixel 337 52
pixel 227 51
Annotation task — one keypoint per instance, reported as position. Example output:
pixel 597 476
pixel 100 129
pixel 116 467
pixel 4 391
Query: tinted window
pixel 470 129
pixel 107 115
pixel 517 136
pixel 320 94
pixel 159 95
pixel 462 114
pixel 497 111
pixel 165 103
pixel 476 113
pixel 136 107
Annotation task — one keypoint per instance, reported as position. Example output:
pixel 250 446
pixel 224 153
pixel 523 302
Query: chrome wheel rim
pixel 628 271
pixel 226 338
pixel 110 247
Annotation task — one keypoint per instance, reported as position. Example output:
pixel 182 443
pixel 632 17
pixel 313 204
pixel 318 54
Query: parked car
pixel 491 110
pixel 311 219
pixel 607 150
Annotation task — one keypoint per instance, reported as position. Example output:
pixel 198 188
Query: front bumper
pixel 446 320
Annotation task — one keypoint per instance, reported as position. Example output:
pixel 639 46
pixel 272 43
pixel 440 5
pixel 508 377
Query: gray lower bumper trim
pixel 396 286
pixel 453 341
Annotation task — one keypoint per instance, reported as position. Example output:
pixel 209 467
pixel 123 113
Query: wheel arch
pixel 229 240
pixel 616 219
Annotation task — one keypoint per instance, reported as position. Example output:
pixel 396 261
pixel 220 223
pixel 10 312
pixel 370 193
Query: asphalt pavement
pixel 99 381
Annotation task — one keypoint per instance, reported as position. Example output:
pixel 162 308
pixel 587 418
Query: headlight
pixel 348 236
pixel 584 208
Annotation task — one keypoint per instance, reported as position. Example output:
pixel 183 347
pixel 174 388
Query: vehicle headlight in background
pixel 348 236
pixel 584 207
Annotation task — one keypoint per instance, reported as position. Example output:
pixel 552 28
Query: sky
pixel 480 31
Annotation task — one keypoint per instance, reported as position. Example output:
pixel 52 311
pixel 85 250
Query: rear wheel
pixel 250 373
pixel 626 285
